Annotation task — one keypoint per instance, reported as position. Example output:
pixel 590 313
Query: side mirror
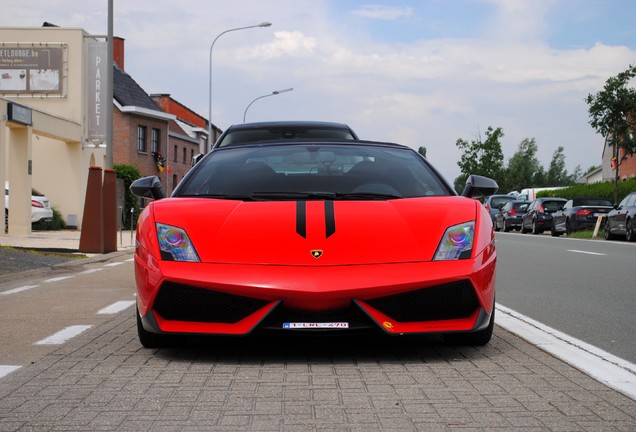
pixel 196 158
pixel 477 186
pixel 148 187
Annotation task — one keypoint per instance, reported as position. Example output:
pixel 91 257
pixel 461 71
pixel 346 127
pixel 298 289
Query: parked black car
pixel 509 217
pixel 494 203
pixel 244 133
pixel 538 217
pixel 579 213
pixel 621 220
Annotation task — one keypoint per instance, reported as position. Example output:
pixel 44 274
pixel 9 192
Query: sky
pixel 417 72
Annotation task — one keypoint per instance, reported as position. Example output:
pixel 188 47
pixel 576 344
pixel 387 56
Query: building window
pixel 175 154
pixel 191 155
pixel 155 140
pixel 141 139
pixel 184 155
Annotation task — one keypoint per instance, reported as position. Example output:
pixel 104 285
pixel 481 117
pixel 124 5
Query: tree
pixel 613 115
pixel 422 151
pixel 523 166
pixel 481 157
pixel 557 175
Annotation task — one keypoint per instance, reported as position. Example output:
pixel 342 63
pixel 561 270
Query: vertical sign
pixel 97 83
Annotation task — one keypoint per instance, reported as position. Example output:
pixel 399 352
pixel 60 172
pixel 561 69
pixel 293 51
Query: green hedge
pixel 129 173
pixel 602 190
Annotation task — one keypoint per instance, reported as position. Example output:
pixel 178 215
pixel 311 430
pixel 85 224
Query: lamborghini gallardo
pixel 315 237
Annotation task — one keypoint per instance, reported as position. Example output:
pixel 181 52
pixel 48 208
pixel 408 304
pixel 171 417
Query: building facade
pixel 57 75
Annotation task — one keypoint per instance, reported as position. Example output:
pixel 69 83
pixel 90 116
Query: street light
pixel 274 93
pixel 263 24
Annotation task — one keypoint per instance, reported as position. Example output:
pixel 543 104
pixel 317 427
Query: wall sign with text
pixel 32 68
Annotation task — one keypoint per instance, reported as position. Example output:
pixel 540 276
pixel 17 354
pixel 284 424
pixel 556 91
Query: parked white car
pixel 41 210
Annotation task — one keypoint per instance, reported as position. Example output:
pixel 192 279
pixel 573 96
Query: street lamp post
pixel 274 93
pixel 263 24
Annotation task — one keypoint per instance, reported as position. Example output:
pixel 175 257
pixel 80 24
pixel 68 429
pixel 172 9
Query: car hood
pixel 315 232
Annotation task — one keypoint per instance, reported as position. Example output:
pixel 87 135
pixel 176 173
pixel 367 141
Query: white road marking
pixel 19 289
pixel 113 264
pixel 89 271
pixel 612 371
pixel 130 260
pixel 57 279
pixel 63 335
pixel 116 307
pixel 6 370
pixel 585 252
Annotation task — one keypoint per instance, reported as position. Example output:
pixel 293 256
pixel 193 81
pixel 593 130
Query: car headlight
pixel 457 242
pixel 175 245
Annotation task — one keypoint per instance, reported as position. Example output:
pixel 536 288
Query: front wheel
pixel 506 227
pixel 478 338
pixel 535 228
pixel 608 231
pixel 630 235
pixel 568 227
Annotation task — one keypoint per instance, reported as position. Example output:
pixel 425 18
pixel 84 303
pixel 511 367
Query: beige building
pixel 51 97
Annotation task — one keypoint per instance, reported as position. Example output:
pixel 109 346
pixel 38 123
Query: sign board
pixel 19 114
pixel 97 82
pixel 31 68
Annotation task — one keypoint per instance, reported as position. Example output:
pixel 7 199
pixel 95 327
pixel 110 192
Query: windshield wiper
pixel 322 196
pixel 293 195
pixel 366 196
pixel 219 196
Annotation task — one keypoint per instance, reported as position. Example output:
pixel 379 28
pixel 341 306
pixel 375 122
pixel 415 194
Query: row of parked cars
pixel 562 216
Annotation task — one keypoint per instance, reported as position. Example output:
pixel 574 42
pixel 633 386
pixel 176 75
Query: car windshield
pixel 521 206
pixel 313 171
pixel 499 202
pixel 552 205
pixel 592 202
pixel 277 133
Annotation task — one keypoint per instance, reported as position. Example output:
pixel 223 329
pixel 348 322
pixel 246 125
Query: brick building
pixel 187 135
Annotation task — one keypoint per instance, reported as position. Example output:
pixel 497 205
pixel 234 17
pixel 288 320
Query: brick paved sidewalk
pixel 104 381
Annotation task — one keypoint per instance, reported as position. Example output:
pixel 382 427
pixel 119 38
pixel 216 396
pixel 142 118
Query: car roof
pixel 315 141
pixel 294 123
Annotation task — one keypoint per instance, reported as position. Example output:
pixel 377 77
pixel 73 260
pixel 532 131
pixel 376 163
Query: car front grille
pixel 177 302
pixel 443 302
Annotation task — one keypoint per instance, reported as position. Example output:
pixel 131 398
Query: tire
pixel 535 229
pixel 553 231
pixel 630 235
pixel 152 340
pixel 608 231
pixel 478 338
pixel 506 228
pixel 523 229
pixel 568 227
pixel 496 226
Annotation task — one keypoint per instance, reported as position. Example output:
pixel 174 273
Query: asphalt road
pixel 584 288
pixel 17 260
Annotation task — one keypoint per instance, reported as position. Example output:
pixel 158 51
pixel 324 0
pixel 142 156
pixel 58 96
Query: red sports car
pixel 315 236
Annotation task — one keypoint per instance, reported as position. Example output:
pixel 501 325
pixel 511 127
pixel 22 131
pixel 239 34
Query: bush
pixel 129 173
pixel 602 190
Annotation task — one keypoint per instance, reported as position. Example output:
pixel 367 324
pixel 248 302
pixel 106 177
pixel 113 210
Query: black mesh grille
pixel 177 302
pixel 451 301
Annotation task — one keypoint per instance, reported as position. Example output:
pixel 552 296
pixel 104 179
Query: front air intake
pixel 177 302
pixel 443 302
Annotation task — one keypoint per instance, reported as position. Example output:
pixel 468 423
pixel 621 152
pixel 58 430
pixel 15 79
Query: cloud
pixel 285 44
pixel 379 12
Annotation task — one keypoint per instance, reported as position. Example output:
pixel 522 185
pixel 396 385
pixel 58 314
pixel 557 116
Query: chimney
pixel 118 52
